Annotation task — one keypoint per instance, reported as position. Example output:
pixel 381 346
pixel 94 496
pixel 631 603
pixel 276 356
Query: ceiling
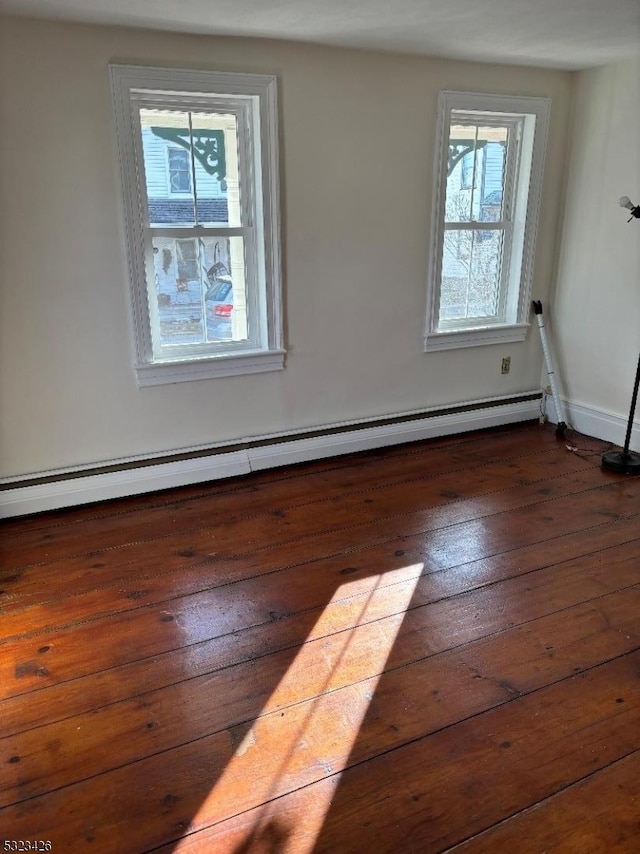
pixel 568 34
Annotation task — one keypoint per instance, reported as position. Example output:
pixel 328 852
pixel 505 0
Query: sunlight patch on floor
pixel 297 741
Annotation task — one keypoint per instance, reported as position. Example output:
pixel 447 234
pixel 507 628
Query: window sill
pixel 253 362
pixel 478 337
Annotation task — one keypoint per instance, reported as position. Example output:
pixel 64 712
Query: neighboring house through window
pixel 490 154
pixel 199 175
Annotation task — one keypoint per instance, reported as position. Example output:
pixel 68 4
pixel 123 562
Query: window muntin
pixel 486 199
pixel 187 238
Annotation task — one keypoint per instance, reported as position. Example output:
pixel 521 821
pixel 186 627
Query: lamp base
pixel 628 463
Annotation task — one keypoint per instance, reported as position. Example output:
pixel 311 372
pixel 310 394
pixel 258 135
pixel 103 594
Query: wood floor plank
pixel 157 629
pixel 496 766
pixel 407 645
pixel 411 649
pixel 433 491
pixel 600 813
pixel 117 683
pixel 221 533
pixel 36 610
pixel 383 515
pixel 470 776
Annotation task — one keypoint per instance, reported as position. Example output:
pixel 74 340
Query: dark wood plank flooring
pixel 427 648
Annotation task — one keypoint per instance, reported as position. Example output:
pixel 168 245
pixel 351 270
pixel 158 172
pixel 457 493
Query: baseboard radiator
pixel 51 490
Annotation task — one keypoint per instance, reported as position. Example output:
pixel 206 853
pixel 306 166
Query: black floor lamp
pixel 626 461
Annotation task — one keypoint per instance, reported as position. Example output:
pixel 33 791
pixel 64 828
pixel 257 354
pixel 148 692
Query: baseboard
pixel 598 423
pixel 53 490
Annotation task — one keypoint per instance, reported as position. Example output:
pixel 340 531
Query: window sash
pixel 476 120
pixel 451 324
pixel 164 353
pixel 245 134
pixel 155 351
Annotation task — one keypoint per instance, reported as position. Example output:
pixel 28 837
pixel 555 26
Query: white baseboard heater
pixel 60 488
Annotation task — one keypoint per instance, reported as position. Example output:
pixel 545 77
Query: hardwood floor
pixel 429 648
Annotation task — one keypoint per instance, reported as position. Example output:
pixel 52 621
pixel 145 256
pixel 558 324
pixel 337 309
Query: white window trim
pixel 126 79
pixel 516 328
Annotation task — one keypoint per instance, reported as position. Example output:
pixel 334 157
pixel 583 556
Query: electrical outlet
pixel 506 365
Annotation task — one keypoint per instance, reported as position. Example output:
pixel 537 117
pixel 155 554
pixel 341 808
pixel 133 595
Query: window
pixel 489 164
pixel 199 175
pixel 179 170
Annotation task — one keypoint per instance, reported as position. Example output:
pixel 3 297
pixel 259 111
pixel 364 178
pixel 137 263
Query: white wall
pixel 357 142
pixel 596 312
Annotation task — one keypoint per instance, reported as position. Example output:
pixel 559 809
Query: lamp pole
pixel 626 461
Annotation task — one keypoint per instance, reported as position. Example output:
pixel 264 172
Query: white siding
pixel 157 171
pixel 493 168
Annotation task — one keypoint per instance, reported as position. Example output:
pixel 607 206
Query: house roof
pixel 179 210
pixel 568 34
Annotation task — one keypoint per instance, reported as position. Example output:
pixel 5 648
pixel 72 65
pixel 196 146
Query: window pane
pixel 179 145
pixel 475 172
pixel 200 290
pixel 215 139
pixel 471 273
pixel 165 136
pixel 226 291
